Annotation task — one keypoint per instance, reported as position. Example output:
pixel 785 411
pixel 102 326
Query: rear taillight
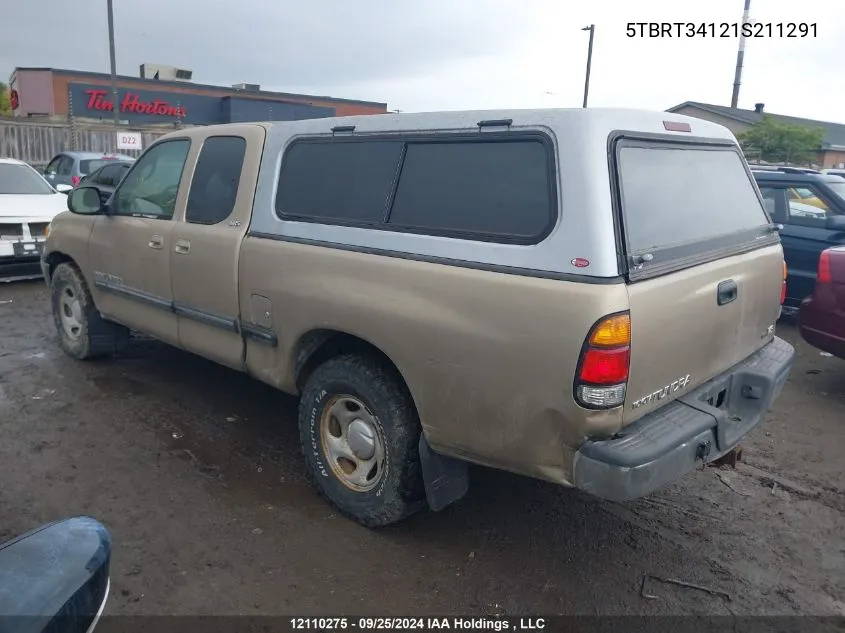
pixel 824 268
pixel 75 180
pixel 602 376
pixel 783 285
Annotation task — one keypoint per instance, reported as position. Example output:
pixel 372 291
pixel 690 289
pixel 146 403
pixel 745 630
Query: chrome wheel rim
pixel 70 313
pixel 352 443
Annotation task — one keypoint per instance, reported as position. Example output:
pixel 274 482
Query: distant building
pixel 830 154
pixel 166 95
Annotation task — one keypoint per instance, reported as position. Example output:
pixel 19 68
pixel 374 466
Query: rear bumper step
pixel 663 446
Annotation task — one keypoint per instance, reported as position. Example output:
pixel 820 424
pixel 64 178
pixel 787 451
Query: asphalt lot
pixel 196 471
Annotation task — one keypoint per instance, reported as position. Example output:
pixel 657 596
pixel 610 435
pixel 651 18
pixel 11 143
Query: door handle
pixel 726 292
pixel 183 247
pixel 156 241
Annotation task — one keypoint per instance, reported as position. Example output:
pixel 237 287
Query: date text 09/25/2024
pixel 722 29
pixel 418 624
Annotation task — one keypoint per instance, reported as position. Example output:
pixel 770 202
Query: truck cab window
pixel 215 184
pixel 150 188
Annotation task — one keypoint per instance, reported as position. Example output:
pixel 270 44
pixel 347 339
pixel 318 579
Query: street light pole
pixel 592 30
pixel 739 57
pixel 114 98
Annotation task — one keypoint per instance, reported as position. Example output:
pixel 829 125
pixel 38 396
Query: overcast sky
pixel 449 54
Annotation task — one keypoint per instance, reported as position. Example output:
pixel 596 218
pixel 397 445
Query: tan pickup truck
pixel 583 296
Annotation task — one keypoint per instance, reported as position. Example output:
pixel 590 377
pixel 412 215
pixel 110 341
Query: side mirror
pixel 835 223
pixel 85 201
pixel 63 188
pixel 56 577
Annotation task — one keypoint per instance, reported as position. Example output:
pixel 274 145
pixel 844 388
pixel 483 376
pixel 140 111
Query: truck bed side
pixel 489 357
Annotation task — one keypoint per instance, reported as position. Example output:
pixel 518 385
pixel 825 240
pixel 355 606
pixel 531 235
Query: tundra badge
pixel 672 387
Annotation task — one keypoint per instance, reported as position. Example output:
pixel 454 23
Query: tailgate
pixel 704 265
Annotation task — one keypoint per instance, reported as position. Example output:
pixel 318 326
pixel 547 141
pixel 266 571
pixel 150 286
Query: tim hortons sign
pixel 132 103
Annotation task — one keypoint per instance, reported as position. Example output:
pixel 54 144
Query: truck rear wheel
pixel 83 332
pixel 360 436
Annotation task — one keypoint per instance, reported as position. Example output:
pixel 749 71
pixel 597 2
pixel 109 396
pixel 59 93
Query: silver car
pixel 68 168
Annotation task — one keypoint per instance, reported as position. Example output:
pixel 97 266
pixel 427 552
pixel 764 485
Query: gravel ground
pixel 195 470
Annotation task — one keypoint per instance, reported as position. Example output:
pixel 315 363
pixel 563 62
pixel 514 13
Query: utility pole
pixel 592 30
pixel 114 98
pixel 739 57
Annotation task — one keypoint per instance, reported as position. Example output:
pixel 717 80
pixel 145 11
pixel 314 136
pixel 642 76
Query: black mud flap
pixel 446 479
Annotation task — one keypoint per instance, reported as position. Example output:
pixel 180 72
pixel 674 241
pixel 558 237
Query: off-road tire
pixel 97 337
pixel 400 493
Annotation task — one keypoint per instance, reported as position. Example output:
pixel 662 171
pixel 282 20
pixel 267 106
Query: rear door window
pixel 683 200
pixel 775 202
pixel 214 187
pixel 65 166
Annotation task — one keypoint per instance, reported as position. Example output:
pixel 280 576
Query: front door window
pixel 149 189
pixel 807 208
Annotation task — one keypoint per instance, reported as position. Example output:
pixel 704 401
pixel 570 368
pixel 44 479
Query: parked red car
pixel 822 315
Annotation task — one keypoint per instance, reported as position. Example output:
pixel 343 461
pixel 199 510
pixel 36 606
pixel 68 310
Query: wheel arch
pixel 319 345
pixel 54 259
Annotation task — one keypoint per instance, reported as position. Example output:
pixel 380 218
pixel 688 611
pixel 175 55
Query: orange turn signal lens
pixel 614 331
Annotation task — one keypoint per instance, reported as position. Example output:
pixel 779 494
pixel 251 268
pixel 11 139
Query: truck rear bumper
pixel 693 430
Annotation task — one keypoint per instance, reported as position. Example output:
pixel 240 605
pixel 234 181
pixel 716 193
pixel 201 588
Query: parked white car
pixel 27 205
pixel 801 210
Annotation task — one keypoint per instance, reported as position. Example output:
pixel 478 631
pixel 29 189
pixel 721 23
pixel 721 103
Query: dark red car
pixel 822 314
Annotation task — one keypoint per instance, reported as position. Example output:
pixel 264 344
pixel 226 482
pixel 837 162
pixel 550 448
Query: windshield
pixel 679 195
pixel 22 180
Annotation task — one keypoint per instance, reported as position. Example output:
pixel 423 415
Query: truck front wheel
pixel 360 438
pixel 83 332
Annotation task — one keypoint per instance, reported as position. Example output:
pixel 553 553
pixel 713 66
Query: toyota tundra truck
pixel 583 296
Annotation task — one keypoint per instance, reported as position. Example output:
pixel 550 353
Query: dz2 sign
pixel 129 140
